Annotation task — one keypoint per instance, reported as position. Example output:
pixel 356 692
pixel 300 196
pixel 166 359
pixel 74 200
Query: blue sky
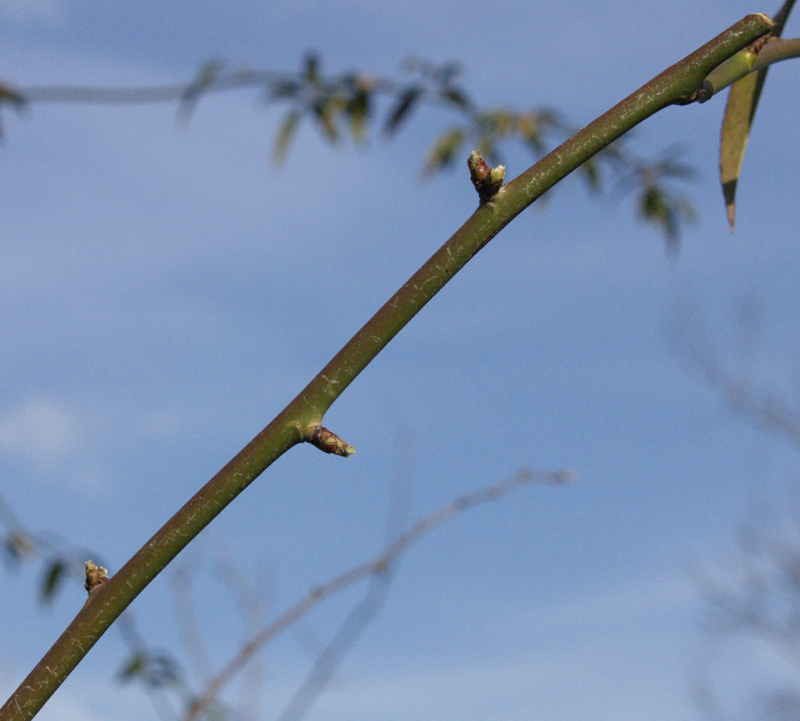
pixel 166 290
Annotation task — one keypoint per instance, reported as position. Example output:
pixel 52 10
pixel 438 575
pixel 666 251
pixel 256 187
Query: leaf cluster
pixel 347 103
pixel 354 104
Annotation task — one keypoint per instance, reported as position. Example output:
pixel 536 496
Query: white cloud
pixel 41 430
pixel 636 675
pixel 616 655
pixel 664 596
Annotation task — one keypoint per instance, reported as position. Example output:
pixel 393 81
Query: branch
pixel 345 103
pixel 301 420
pixel 380 564
pixel 758 56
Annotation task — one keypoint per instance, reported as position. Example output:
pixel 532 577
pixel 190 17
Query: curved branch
pixel 776 50
pixel 676 85
pixel 750 60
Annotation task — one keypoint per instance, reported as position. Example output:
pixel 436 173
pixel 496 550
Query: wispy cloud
pixel 617 654
pixel 663 596
pixel 41 430
pixel 51 439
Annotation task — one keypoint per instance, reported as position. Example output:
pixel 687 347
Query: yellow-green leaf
pixel 327 112
pixel 739 113
pixel 443 151
pixel 285 136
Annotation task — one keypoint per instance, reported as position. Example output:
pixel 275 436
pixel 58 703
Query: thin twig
pixel 379 566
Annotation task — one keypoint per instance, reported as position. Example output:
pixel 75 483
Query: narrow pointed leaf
pixel 311 70
pixel 16 547
pixel 456 97
pixel 401 111
pixel 285 135
pixel 206 77
pixel 134 667
pixel 739 113
pixel 358 110
pixel 591 176
pixel 326 113
pixel 54 574
pixel 443 151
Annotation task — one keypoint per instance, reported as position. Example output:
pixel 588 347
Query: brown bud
pixel 95 576
pixel 329 442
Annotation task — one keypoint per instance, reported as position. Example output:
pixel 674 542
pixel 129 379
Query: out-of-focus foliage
pixel 353 104
pixel 333 103
pixel 752 614
pixel 152 669
pixel 52 578
pixel 9 96
pixel 657 202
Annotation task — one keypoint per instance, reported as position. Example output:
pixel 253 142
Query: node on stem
pixel 487 181
pixel 95 576
pixel 329 442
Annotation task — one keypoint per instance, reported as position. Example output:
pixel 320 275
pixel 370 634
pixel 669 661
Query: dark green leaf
pixel 283 89
pixel 206 77
pixel 445 73
pixel 358 110
pixel 591 175
pixel 496 125
pixel 153 669
pixel 666 212
pixel 209 72
pixel 161 671
pixel 133 668
pixel 53 575
pixel 16 547
pixel 456 97
pixel 675 169
pixel 11 96
pixel 402 110
pixel 531 131
pixel 326 112
pixel 311 69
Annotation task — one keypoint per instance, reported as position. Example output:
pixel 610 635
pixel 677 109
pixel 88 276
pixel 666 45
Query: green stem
pixel 301 419
pixel 749 60
pixel 776 50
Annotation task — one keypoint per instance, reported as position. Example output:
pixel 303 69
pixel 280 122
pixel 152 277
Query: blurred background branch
pixel 350 104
